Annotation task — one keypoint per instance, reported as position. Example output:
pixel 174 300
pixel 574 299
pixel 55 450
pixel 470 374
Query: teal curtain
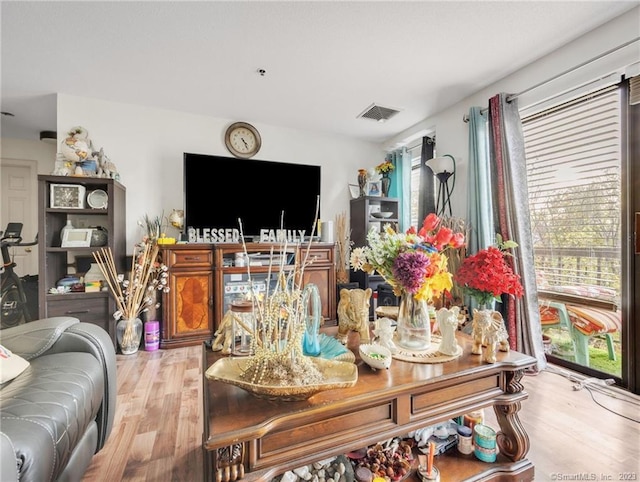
pixel 479 200
pixel 401 184
pixel 480 233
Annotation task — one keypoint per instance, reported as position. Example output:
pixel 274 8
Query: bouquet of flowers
pixel 385 167
pixel 485 276
pixel 413 263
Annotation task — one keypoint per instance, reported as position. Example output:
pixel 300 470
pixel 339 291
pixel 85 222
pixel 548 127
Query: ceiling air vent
pixel 378 113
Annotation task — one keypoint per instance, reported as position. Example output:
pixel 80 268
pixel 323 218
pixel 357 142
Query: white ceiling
pixel 325 62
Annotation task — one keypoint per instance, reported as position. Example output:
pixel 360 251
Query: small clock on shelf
pixel 67 196
pixel 98 199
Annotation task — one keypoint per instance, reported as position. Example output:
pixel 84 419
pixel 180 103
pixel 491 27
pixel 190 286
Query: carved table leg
pixel 513 440
pixel 228 464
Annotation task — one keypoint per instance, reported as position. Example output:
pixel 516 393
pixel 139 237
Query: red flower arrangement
pixel 486 275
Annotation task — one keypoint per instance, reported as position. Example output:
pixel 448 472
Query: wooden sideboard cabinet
pixel 204 279
pixel 188 317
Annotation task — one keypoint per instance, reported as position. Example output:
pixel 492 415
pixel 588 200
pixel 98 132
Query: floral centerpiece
pixel 414 263
pixel 385 168
pixel 136 293
pixel 486 276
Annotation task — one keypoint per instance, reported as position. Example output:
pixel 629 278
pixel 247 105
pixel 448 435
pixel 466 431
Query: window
pixel 415 153
pixel 574 164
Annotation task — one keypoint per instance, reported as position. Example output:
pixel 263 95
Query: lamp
pixel 49 136
pixel 444 169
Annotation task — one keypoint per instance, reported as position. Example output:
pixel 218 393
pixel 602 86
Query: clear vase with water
pixel 129 335
pixel 414 325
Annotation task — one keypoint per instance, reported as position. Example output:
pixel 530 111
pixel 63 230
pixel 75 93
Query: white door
pixel 18 204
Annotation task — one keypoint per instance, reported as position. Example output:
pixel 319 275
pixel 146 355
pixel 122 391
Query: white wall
pixel 43 153
pixel 452 133
pixel 147 146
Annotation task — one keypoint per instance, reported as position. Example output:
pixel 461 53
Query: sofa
pixel 57 411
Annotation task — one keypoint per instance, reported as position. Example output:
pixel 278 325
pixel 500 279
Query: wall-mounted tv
pixel 220 190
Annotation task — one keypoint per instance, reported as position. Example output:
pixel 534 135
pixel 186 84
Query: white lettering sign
pixel 213 235
pixel 282 235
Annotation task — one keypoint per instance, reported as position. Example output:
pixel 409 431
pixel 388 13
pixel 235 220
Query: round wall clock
pixel 242 139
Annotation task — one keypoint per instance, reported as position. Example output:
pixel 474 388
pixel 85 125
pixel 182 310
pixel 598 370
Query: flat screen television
pixel 220 190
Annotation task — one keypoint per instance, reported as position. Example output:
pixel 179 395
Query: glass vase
pixel 414 325
pixel 129 334
pixel 386 183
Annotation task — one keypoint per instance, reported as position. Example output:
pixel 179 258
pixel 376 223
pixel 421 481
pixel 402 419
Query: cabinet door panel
pixel 192 294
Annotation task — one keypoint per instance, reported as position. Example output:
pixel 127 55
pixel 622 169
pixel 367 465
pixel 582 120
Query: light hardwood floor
pixel 157 434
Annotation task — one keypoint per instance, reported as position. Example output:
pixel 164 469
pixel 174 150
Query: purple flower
pixel 410 269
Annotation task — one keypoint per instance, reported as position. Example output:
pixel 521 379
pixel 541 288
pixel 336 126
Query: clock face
pixel 67 196
pixel 242 140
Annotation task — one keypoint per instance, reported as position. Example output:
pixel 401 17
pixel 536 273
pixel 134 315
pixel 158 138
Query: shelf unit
pixel 55 262
pixel 361 222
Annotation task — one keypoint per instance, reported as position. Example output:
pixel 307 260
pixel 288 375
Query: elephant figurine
pixel 488 334
pixel 353 314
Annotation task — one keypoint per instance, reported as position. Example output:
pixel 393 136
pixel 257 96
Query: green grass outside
pixel 562 347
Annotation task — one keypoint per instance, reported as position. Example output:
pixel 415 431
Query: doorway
pixel 18 203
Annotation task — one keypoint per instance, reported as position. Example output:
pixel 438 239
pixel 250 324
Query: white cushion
pixel 11 365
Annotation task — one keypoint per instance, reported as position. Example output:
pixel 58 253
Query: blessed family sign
pixel 232 235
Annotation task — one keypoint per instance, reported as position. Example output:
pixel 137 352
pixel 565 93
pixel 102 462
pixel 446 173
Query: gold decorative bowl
pixel 336 374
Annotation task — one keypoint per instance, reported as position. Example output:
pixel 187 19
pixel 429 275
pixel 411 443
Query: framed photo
pixel 77 238
pixel 67 196
pixel 374 188
pixel 354 190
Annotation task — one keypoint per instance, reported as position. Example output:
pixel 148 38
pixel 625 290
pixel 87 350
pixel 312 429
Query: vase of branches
pixel 136 293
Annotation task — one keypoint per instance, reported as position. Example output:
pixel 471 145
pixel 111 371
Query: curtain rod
pixel 511 97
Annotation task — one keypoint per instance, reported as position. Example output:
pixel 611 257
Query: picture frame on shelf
pixel 374 188
pixel 67 196
pixel 354 191
pixel 77 238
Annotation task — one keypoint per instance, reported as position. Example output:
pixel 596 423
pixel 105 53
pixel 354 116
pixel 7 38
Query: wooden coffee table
pixel 255 439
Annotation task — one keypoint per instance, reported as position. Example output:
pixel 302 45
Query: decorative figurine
pixel 489 332
pixel 353 314
pixel 384 333
pixel 448 323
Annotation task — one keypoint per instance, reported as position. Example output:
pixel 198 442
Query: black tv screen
pixel 220 190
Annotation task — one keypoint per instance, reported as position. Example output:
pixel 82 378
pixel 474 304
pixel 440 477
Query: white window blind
pixel 573 169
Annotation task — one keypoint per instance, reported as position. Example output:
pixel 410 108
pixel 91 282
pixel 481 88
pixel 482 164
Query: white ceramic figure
pixel 383 332
pixel 448 323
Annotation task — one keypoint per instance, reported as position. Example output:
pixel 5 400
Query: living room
pixel 147 143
